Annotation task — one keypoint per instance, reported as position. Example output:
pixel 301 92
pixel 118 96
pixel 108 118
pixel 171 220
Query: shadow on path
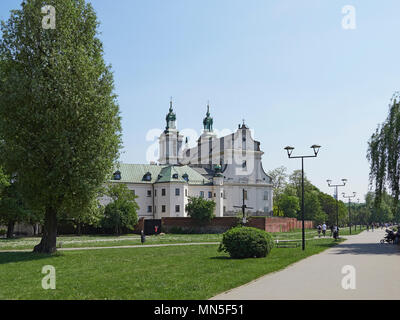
pixel 367 248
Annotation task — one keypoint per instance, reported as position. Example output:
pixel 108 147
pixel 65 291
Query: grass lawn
pixel 188 272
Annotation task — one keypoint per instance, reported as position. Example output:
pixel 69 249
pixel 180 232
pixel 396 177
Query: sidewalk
pixel 121 247
pixel 319 277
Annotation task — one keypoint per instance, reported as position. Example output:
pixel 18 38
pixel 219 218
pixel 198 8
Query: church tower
pixel 170 140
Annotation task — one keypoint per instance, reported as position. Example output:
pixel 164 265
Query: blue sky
pixel 287 67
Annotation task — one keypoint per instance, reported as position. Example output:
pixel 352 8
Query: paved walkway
pixel 121 247
pixel 319 277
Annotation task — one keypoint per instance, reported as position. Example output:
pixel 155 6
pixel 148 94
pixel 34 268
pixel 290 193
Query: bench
pixel 286 243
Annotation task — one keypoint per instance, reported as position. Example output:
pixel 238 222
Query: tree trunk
pixel 49 237
pixel 10 229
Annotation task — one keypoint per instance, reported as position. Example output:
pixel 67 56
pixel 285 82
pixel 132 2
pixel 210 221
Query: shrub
pixel 201 209
pixel 246 242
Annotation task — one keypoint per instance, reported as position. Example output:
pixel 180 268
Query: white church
pixel 217 168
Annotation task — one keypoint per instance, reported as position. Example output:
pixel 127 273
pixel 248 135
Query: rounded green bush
pixel 246 242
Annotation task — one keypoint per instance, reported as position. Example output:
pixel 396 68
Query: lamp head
pixel 329 182
pixel 344 181
pixel 315 147
pixel 289 150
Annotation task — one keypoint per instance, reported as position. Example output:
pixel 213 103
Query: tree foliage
pixel 201 209
pixel 59 119
pixel 318 206
pixel 384 156
pixel 121 212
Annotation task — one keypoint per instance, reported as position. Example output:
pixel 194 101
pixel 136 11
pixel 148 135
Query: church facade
pixel 223 169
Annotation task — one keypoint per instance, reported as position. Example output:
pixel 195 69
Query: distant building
pixel 217 169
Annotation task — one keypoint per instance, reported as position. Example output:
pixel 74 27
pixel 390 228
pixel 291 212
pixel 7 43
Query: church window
pixel 177 208
pixel 201 194
pixel 186 192
pixel 175 176
pixel 149 209
pixel 163 192
pixel 163 208
pixel 265 195
pixel 244 164
pixel 209 194
pixel 177 192
pixel 185 177
pixel 149 193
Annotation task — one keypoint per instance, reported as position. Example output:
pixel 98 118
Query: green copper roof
pixel 136 173
pixel 170 118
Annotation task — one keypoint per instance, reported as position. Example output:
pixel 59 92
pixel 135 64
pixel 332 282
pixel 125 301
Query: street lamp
pixel 289 150
pixel 358 215
pixel 349 197
pixel 337 204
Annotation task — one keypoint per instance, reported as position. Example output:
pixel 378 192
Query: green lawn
pixel 188 272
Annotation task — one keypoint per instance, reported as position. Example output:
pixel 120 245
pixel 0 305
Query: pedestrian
pixel 331 230
pixel 324 229
pixel 319 228
pixel 142 236
pixel 335 232
pixel 155 229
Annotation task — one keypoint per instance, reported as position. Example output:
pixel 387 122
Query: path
pixel 319 277
pixel 121 247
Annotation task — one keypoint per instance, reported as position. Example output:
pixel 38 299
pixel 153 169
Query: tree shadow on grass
pixel 10 257
pixel 221 258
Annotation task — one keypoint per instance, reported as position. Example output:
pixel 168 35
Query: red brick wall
pixel 221 224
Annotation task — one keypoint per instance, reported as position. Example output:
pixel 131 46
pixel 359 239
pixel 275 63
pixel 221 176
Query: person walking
pixel 319 228
pixel 324 229
pixel 142 237
pixel 335 232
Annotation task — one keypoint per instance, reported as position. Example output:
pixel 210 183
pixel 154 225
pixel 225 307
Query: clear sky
pixel 288 68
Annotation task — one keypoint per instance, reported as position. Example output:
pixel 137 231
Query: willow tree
pixel 384 156
pixel 59 119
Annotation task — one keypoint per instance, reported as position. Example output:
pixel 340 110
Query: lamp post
pixel 336 186
pixel 289 150
pixel 358 216
pixel 349 197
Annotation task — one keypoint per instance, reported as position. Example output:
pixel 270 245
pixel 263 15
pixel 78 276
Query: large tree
pixel 121 212
pixel 278 177
pixel 384 156
pixel 59 120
